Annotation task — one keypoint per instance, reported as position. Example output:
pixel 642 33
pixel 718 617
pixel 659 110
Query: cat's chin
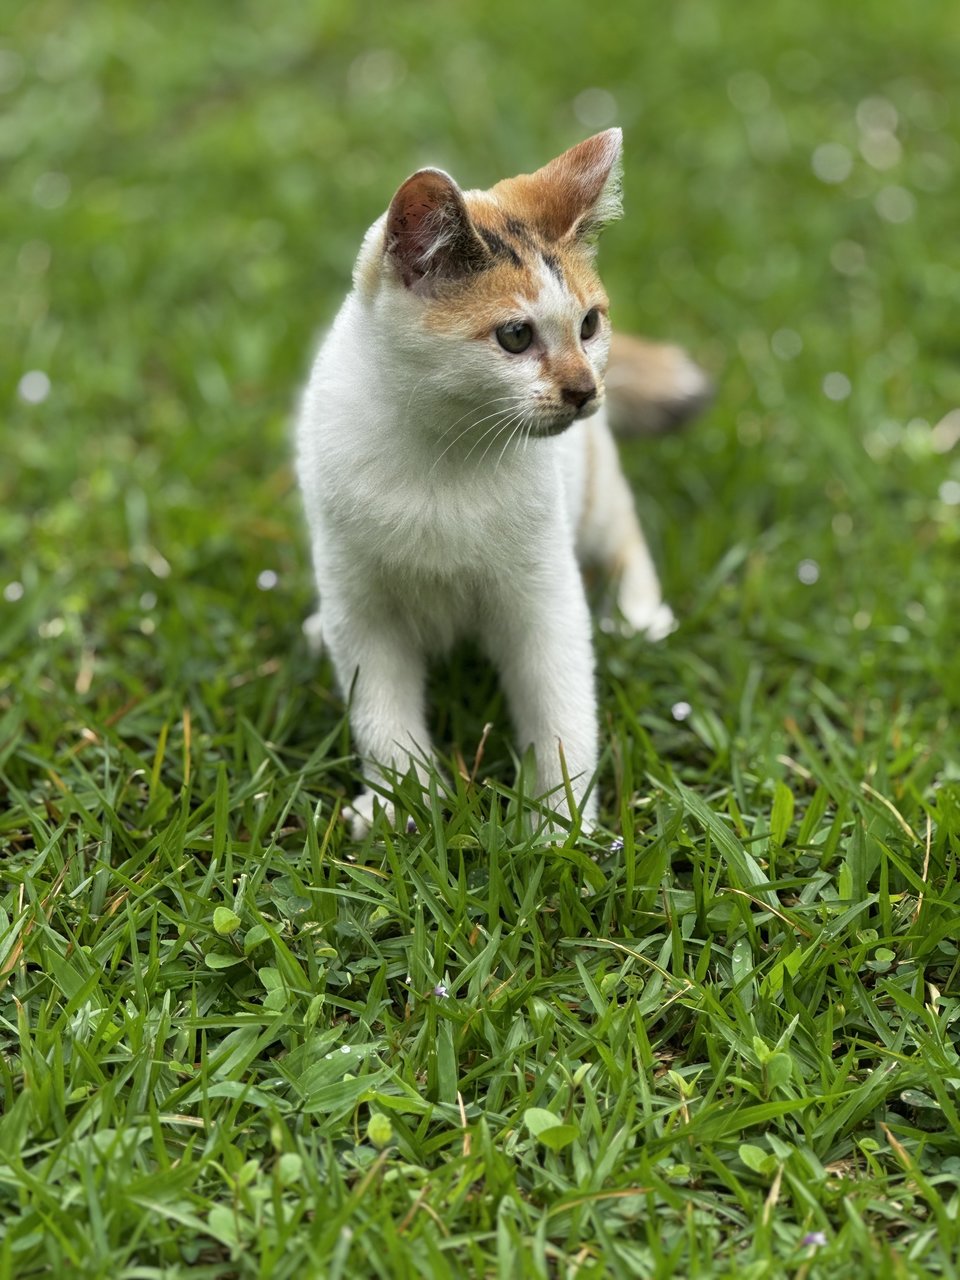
pixel 557 423
pixel 545 430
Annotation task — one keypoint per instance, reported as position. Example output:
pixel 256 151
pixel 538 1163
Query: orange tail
pixel 652 386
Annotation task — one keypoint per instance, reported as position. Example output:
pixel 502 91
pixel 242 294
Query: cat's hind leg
pixel 610 536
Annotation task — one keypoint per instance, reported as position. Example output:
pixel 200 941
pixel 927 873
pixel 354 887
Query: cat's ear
pixel 429 235
pixel 579 192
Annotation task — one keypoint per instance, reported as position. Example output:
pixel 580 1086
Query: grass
pixel 236 1044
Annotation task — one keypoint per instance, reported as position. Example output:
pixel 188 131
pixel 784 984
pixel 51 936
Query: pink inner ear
pixel 429 230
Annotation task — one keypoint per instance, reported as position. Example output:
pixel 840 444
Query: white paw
pixel 654 620
pixel 361 813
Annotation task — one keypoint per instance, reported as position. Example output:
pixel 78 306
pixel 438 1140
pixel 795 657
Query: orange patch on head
pixel 475 305
pixel 573 196
pixel 513 279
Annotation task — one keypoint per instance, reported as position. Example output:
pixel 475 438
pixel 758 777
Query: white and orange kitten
pixel 457 466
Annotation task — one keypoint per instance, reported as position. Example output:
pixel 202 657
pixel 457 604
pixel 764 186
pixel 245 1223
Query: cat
pixel 456 463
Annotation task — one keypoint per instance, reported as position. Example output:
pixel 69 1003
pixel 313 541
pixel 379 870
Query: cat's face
pixel 509 315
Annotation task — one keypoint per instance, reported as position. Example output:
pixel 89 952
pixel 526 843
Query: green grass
pixel 233 1043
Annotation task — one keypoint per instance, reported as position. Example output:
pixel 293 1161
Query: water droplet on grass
pixel 832 162
pixel 34 387
pixel 848 258
pixel 51 190
pixel 947 432
pixel 877 115
pixel 895 204
pixel 786 344
pixel 749 92
pixel 836 386
pixel 595 108
pixel 375 71
pixel 881 150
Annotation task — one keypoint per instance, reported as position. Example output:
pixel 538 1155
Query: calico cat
pixel 456 462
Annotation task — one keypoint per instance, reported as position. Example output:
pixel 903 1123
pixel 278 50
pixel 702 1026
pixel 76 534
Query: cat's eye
pixel 591 322
pixel 515 336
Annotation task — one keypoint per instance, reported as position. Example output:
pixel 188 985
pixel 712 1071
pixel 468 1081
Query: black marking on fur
pixel 519 230
pixel 552 262
pixel 499 247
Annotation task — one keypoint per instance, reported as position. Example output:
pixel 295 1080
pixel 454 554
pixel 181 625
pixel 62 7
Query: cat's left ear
pixel 429 234
pixel 580 192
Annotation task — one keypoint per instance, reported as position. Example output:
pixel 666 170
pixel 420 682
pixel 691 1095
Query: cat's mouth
pixel 557 421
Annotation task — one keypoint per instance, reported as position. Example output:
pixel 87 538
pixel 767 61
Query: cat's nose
pixel 578 396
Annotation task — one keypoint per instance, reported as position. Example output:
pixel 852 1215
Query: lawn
pixel 717 1038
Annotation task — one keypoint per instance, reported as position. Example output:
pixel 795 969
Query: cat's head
pixel 497 290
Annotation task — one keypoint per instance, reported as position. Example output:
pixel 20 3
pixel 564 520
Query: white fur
pixel 433 515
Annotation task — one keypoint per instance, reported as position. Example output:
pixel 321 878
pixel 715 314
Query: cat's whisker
pixel 416 387
pixel 506 410
pixel 518 428
pixel 510 426
pixel 493 432
pixel 498 415
pixel 476 409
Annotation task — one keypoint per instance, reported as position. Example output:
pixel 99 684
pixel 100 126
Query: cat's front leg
pixel 382 671
pixel 539 636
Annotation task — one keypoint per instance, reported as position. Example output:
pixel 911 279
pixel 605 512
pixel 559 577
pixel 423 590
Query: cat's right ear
pixel 429 235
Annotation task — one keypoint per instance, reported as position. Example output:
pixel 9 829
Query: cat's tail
pixel 652 386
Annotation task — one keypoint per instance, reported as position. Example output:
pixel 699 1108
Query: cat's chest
pixel 434 525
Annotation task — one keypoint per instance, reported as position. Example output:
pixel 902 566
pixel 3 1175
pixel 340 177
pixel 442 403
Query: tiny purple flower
pixel 616 845
pixel 815 1238
pixel 440 991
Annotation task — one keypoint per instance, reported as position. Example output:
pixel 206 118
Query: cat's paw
pixel 662 624
pixel 361 813
pixel 313 631
pixel 655 620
